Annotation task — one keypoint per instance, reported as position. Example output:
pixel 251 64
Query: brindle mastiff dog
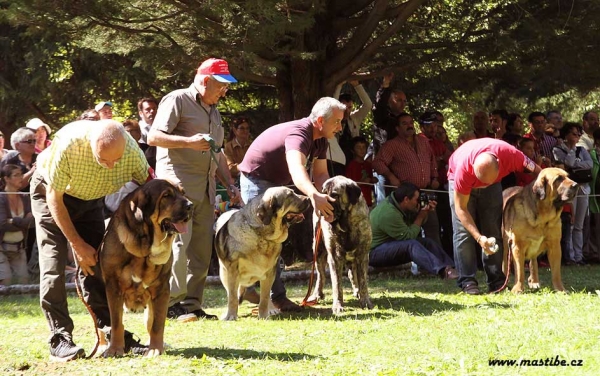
pixel 248 244
pixel 531 224
pixel 345 243
pixel 136 258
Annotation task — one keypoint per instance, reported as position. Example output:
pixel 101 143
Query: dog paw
pixel 517 289
pixel 337 309
pixel 366 303
pixel 153 353
pixel 112 352
pixel 534 285
pixel 229 317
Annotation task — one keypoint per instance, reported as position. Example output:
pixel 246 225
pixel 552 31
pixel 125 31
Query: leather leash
pixel 509 259
pixel 318 235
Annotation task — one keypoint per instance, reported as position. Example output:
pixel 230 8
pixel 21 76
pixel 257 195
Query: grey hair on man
pixel 324 108
pixel 20 135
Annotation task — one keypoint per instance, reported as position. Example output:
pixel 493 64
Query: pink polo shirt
pixel 460 166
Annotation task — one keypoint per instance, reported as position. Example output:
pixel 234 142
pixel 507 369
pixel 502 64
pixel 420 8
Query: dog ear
pixel 327 186
pixel 539 187
pixel 353 192
pixel 135 212
pixel 266 211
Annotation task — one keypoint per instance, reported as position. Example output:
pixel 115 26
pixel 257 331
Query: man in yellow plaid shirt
pixel 86 161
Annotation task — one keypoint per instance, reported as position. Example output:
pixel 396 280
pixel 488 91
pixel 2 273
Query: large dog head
pixel 152 215
pixel 553 185
pixel 281 202
pixel 345 192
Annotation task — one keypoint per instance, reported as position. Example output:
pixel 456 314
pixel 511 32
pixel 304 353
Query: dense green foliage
pixel 57 58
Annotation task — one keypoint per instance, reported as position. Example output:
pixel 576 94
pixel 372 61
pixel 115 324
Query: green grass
pixel 420 326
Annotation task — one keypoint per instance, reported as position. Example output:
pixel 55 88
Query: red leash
pixel 305 301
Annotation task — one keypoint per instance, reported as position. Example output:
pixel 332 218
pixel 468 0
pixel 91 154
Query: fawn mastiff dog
pixel 346 242
pixel 248 244
pixel 531 224
pixel 136 258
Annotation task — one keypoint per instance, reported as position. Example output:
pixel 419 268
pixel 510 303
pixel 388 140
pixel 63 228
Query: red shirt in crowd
pixel 359 171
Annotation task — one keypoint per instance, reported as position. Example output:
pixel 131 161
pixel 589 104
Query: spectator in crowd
pixel 15 220
pixel 543 142
pixel 474 174
pixel 147 108
pixel 568 155
pixel 89 114
pixel 590 124
pixel 594 243
pixel 351 126
pixel 104 110
pixel 186 123
pixel 23 142
pixel 237 144
pixel 498 120
pixel 42 134
pixel 442 135
pixel 408 157
pixel 302 144
pixel 555 123
pixel 68 212
pixel 396 226
pixel 3 151
pixel 133 128
pixel 481 123
pixel 514 124
pixel 360 170
pixel 390 102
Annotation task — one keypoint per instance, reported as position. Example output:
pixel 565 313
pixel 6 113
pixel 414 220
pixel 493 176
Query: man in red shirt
pixel 474 173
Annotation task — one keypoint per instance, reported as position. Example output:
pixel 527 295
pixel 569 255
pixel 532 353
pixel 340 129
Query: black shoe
pixel 133 345
pixel 62 348
pixel 199 313
pixel 180 313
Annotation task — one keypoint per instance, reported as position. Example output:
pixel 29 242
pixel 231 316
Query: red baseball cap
pixel 218 69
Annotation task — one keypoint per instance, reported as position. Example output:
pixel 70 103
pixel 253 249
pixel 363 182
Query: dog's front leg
pixel 156 315
pixel 229 278
pixel 534 280
pixel 265 307
pixel 360 266
pixel 336 268
pixel 115 306
pixel 554 256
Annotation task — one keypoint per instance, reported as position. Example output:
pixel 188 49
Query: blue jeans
pixel 424 252
pixel 249 188
pixel 485 206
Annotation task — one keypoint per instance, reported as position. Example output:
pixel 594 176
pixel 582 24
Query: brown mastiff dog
pixel 531 224
pixel 136 258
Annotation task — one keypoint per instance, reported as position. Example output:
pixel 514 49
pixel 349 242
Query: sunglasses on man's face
pixel 30 141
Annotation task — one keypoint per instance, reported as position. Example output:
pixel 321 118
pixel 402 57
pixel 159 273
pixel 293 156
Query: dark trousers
pixel 424 252
pixel 565 240
pixel 88 220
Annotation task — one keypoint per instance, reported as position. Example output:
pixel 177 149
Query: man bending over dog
pixel 474 174
pixel 86 161
pixel 302 144
pixel 396 226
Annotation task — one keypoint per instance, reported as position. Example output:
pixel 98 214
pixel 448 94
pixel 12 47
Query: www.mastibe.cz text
pixel 542 362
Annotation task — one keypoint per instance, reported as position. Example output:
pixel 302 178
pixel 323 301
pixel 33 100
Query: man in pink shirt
pixel 474 173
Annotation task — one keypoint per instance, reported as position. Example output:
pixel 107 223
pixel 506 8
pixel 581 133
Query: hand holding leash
pixel 86 257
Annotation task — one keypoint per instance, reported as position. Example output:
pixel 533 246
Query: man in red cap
pixel 185 123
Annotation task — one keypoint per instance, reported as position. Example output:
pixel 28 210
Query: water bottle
pixel 414 269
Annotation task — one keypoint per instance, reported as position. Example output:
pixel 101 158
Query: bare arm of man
pixel 171 141
pixel 86 255
pixel 296 162
pixel 460 205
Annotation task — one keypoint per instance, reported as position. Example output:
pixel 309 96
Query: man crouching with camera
pixel 396 225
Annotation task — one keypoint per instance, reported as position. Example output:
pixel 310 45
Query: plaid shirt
pixel 416 165
pixel 69 166
pixel 543 145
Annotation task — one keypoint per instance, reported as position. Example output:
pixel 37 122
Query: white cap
pixel 100 105
pixel 35 123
